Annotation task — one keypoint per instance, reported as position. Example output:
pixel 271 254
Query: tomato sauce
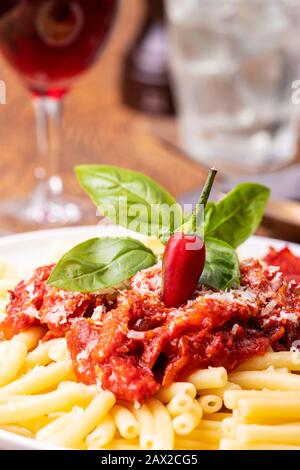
pixel 141 344
pixel 131 343
pixel 33 302
pixel 288 263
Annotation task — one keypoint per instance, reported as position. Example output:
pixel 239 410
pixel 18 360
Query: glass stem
pixel 48 113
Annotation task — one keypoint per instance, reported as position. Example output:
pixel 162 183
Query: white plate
pixel 29 250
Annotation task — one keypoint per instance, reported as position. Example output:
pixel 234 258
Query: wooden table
pixel 97 126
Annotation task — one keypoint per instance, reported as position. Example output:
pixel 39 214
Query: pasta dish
pixel 120 371
pixel 171 342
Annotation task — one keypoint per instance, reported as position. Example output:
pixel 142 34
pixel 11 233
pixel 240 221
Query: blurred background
pixel 170 89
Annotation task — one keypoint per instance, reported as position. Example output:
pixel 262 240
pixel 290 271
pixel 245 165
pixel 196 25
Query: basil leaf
pixel 209 210
pixel 100 263
pixel 238 214
pixel 222 268
pixel 130 199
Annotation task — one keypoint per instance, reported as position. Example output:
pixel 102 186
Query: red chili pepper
pixel 184 258
pixel 182 268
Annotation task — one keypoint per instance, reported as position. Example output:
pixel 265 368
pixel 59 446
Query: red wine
pixel 51 42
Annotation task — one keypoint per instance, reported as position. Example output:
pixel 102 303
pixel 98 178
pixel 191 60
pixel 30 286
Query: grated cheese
pixel 273 269
pixel 30 290
pixel 268 308
pixel 148 281
pixel 293 317
pixel 91 346
pixel 98 312
pixel 82 355
pixel 241 296
pixel 132 334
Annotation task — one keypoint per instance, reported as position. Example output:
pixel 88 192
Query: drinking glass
pixel 234 63
pixel 50 43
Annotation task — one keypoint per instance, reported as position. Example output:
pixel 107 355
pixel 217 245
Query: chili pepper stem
pixel 201 204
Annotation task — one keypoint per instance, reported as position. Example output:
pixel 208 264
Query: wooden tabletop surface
pixel 97 127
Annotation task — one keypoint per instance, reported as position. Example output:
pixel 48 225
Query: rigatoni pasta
pixel 213 377
pixel 59 424
pixel 186 422
pixel 104 433
pixel 164 433
pixel 288 359
pixel 260 380
pixel 165 394
pixel 125 422
pixel 41 400
pixel 12 357
pixel 146 426
pixel 231 444
pixel 232 397
pixel 256 407
pixel 40 379
pixel 210 403
pixel 58 400
pixel 75 432
pixel 180 403
pixel 285 434
pixel 31 337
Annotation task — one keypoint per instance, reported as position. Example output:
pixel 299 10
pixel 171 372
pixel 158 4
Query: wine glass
pixel 50 43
